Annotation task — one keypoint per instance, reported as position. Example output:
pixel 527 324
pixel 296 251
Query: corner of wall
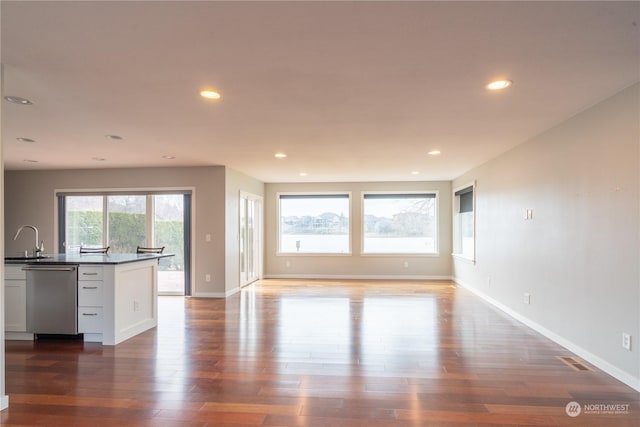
pixel 4 399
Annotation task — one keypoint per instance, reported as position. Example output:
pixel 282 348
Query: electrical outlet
pixel 406 264
pixel 626 341
pixel 207 277
pixel 287 264
pixel 527 298
pixel 136 306
pixel 207 237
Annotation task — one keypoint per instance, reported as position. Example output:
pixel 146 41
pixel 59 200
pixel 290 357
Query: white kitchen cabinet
pixel 90 272
pixel 15 299
pixel 90 299
pixel 90 320
pixel 90 294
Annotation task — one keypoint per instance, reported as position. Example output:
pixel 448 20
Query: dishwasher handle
pixel 48 268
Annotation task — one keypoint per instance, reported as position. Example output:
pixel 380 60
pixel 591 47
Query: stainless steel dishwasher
pixel 52 299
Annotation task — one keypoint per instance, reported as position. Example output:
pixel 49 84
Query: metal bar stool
pixel 94 250
pixel 143 250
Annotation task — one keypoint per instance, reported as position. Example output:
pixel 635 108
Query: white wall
pixel 30 199
pixel 578 256
pixel 357 265
pixel 235 183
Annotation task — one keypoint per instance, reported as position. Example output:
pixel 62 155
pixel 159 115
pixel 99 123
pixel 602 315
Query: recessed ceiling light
pixel 18 100
pixel 98 159
pixel 210 94
pixel 280 155
pixel 21 139
pixel 499 84
pixel 169 157
pixel 415 173
pixel 30 161
pixel 434 152
pixel 303 174
pixel 114 137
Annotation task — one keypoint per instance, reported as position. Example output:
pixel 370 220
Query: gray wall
pixel 357 265
pixel 579 255
pixel 30 199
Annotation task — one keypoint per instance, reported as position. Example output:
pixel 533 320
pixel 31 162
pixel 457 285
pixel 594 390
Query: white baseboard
pixel 355 277
pixel 18 336
pixel 231 292
pixel 216 294
pixel 620 375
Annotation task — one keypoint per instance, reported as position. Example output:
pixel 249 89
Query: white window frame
pixel 404 254
pixel 316 193
pixel 455 201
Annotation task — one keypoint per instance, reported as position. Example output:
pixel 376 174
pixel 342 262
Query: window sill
pixel 397 254
pixel 464 258
pixel 312 254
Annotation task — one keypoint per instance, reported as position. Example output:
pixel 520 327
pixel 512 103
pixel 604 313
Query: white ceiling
pixel 351 91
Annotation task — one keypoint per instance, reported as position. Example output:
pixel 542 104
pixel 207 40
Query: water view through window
pixel 314 223
pixel 399 223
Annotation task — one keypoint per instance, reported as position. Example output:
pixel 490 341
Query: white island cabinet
pixel 15 296
pixel 117 296
pixel 90 302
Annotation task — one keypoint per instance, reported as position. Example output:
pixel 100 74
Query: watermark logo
pixel 573 409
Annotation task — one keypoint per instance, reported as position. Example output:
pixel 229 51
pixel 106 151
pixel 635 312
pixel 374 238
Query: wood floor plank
pixel 313 353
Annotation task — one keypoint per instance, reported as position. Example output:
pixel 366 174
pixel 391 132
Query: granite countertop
pixel 77 258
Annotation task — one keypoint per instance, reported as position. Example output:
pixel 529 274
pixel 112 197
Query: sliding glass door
pixel 125 221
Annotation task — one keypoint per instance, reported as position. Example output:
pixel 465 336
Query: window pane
pixel 463 223
pixel 83 221
pixel 169 232
pixel 400 223
pixel 314 224
pixel 127 223
pixel 466 233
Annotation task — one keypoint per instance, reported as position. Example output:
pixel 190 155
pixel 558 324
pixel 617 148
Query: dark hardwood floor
pixel 315 353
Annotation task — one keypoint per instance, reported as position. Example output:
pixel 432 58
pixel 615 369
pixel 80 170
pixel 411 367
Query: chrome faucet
pixel 38 247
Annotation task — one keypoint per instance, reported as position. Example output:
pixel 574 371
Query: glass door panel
pixel 84 222
pixel 168 226
pixel 127 223
pixel 250 238
pixel 243 240
pixel 251 241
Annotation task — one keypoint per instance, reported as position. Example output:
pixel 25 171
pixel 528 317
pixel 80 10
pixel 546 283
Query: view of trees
pixel 326 223
pixel 127 231
pixel 404 224
pixel 414 222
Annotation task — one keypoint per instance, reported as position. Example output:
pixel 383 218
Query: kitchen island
pixel 116 298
